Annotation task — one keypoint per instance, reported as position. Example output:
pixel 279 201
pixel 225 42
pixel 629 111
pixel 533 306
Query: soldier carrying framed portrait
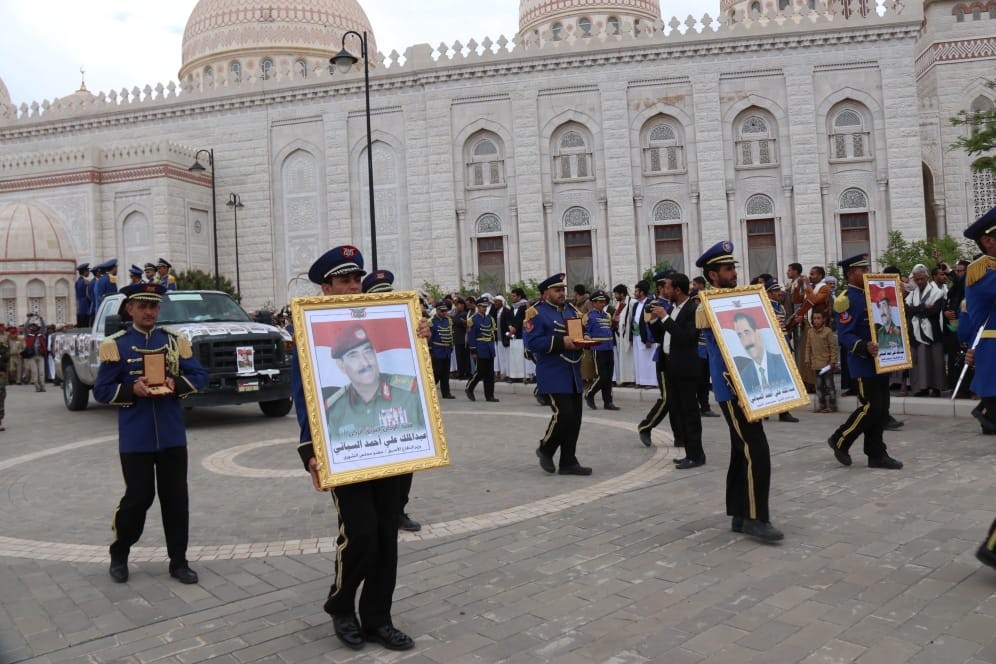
pixel 887 313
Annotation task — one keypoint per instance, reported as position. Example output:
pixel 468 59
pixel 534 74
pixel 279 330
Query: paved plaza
pixel 634 564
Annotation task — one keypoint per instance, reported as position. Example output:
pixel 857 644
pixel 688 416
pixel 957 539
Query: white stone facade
pixel 795 135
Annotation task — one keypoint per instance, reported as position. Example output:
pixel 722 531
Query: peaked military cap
pixel 443 306
pixel 136 270
pixel 349 337
pixel 599 296
pixel 148 292
pixel 113 263
pixel 344 259
pixel 150 266
pixel 554 281
pixel 484 300
pixel 984 225
pixel 861 260
pixel 82 267
pixel 772 285
pixel 720 253
pixel 662 275
pixel 164 263
pixel 378 281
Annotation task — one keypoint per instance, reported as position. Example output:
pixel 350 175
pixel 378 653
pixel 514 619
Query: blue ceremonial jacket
pixel 304 449
pixel 598 327
pixel 101 289
pixel 441 336
pixel 558 370
pixel 481 337
pixel 151 423
pixel 83 305
pixel 854 332
pixel 980 300
pixel 90 288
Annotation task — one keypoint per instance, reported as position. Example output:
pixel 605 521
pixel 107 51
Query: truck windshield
pixel 187 307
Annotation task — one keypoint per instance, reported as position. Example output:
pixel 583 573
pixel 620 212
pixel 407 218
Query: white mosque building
pixel 599 140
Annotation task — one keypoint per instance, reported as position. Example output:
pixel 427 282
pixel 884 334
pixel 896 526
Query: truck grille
pixel 219 356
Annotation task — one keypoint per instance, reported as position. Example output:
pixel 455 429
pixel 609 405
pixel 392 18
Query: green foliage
pixel 433 290
pixel 648 274
pixel 200 280
pixel 530 286
pixel 982 135
pixel 905 254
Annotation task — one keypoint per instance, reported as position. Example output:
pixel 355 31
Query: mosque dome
pixel 584 17
pixel 221 33
pixel 32 234
pixel 4 95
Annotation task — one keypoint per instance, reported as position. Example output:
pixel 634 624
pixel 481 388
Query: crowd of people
pixel 95 283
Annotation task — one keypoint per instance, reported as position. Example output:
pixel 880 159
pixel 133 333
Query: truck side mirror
pixel 113 324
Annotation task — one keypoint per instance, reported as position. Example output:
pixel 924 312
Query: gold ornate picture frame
pixel 759 366
pixel 886 304
pixel 373 410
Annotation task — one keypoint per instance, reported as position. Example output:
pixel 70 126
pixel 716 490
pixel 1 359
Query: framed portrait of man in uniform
pixel 368 387
pixel 760 368
pixel 887 318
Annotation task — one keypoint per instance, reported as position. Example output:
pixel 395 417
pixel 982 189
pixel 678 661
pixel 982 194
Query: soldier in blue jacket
pixel 106 284
pixel 597 326
pixel 980 299
pixel 558 374
pixel 854 332
pixel 481 342
pixel 96 272
pixel 748 480
pixel 441 347
pixel 82 298
pixel 152 440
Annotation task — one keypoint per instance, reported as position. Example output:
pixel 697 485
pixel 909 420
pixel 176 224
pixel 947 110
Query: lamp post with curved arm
pixel 235 202
pixel 197 167
pixel 344 61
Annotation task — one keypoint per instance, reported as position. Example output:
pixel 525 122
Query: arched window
pixel 760 205
pixel 667 211
pixel 755 8
pixel 577 246
pixel 976 13
pixel 762 249
pixel 208 76
pixel 488 224
pixel 853 199
pixel 266 69
pixel 584 23
pixel 572 156
pixel 854 235
pixel 485 166
pixel 756 143
pixel 577 217
pixel 136 233
pixel 557 31
pixel 960 14
pixel 236 71
pixel 783 4
pixel 8 301
pixel 36 298
pixel 669 246
pixel 663 151
pixel 301 69
pixel 613 25
pixel 848 136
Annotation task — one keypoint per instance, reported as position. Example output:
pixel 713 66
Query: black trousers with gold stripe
pixel 604 366
pixel 869 417
pixel 485 373
pixel 748 479
pixel 366 549
pixel 564 428
pixel 659 410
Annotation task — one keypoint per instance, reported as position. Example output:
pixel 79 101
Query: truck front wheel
pixel 74 393
pixel 275 408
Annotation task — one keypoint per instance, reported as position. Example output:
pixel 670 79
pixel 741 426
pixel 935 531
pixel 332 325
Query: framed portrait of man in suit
pixel 887 318
pixel 368 387
pixel 760 368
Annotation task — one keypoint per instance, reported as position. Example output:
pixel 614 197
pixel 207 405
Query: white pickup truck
pixel 247 362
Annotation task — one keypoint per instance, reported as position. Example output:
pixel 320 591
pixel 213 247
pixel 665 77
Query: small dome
pixel 220 31
pixel 539 14
pixel 31 234
pixel 4 95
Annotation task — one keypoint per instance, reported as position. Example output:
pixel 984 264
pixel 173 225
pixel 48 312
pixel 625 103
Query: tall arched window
pixel 8 301
pixel 572 156
pixel 848 136
pixel 490 253
pixel 301 69
pixel 663 151
pixel 584 24
pixel 235 69
pixel 208 76
pixel 756 144
pixel 612 25
pixel 485 166
pixel 669 246
pixel 853 210
pixel 36 298
pixel 983 182
pixel 266 69
pixel 557 31
pixel 577 246
pixel 136 232
pixel 762 249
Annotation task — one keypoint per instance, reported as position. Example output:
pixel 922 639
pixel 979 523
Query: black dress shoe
pixel 690 463
pixel 645 438
pixel 987 425
pixel 709 412
pixel 389 637
pixel 118 570
pixel 449 396
pixel 737 525
pixel 610 406
pixel 591 403
pixel 787 417
pixel 842 456
pixel 934 392
pixel 884 461
pixel 184 575
pixel 492 399
pixel 892 424
pixel 762 530
pixel 985 556
pixel 677 461
pixel 546 463
pixel 576 469
pixel 405 522
pixel 347 628
pixel 470 395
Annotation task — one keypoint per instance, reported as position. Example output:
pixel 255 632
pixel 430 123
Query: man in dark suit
pixel 761 370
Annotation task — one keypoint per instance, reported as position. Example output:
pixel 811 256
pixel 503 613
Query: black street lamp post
pixel 235 202
pixel 344 61
pixel 197 167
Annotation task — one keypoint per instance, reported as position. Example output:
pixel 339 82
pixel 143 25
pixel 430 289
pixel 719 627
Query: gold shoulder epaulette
pixel 977 269
pixel 701 317
pixel 584 318
pixel 841 303
pixel 108 351
pixel 183 346
pixel 530 312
